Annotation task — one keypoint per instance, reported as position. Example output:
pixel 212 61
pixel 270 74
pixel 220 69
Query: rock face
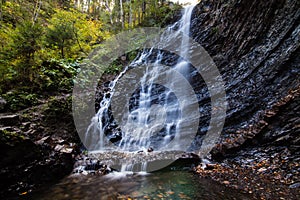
pixel 255 45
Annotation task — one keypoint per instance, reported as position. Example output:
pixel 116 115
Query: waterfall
pixel 155 116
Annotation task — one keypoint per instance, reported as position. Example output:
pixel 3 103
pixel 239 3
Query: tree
pixel 70 33
pixel 60 35
pixel 5 51
pixel 26 39
pixel 26 42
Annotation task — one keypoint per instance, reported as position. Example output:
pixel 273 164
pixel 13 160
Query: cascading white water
pixel 185 24
pixel 150 107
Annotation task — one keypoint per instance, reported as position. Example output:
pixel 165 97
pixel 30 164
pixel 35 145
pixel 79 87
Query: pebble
pixel 262 169
pixel 226 182
pixel 295 185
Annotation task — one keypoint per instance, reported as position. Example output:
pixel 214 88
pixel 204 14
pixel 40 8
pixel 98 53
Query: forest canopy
pixel 43 41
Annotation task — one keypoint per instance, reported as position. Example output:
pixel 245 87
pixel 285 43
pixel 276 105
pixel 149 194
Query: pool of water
pixel 158 185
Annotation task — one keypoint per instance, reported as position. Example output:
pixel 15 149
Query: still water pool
pixel 158 185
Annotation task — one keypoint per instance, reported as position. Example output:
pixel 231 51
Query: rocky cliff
pixel 255 45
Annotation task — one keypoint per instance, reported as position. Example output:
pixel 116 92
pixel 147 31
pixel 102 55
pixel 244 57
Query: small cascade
pixel 155 113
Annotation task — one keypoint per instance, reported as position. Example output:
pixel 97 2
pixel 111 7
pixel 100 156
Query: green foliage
pixel 53 76
pixel 42 42
pixel 70 33
pixel 18 99
pixel 17 53
pixel 114 68
pixel 58 107
pixel 161 16
pixel 33 33
pixel 12 12
pixel 26 42
pixel 57 75
pixel 26 39
pixel 6 73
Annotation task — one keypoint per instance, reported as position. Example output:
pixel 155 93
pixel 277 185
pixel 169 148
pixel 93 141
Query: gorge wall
pixel 255 45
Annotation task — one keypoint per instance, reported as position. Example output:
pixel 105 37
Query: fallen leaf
pixel 170 192
pixel 24 193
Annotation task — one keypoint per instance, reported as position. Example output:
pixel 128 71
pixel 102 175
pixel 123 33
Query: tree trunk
pixel 143 10
pixel 109 10
pixel 1 11
pixel 121 14
pixel 88 6
pixel 36 11
pixel 130 14
pixel 76 4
